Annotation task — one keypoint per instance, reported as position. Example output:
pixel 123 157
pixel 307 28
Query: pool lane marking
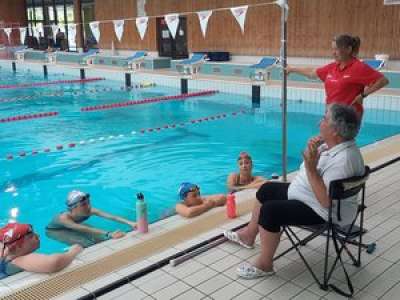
pixel 29 117
pixel 142 131
pixel 75 93
pixel 45 83
pixel 148 100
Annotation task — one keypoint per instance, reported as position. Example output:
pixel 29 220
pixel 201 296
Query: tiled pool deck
pixel 212 275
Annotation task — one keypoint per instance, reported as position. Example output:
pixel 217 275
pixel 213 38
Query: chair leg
pixel 295 246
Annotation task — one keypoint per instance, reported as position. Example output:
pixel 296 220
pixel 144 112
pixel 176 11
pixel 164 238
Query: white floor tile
pixel 213 284
pixel 200 276
pixel 171 291
pixel 268 285
pixel 248 295
pixel 392 294
pixel 229 291
pixel 379 286
pixel 185 269
pixel 152 286
pixel 191 294
pixel 286 291
pixel 306 295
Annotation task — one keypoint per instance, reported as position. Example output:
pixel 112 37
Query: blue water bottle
pixel 141 214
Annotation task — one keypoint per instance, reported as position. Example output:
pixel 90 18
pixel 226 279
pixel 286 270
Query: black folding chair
pixel 339 191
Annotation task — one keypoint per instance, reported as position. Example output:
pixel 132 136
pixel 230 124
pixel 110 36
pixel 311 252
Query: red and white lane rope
pixel 29 117
pixel 149 100
pixel 143 131
pixel 75 93
pixel 34 84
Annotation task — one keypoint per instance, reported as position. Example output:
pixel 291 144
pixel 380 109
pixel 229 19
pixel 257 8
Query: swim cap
pixel 74 197
pixel 13 232
pixel 185 188
pixel 244 154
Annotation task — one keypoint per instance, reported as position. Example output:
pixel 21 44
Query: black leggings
pixel 277 210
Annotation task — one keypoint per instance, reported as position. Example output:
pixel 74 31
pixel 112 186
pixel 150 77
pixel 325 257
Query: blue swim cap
pixel 185 188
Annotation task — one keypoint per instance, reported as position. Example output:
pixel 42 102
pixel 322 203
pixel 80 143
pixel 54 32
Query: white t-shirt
pixel 341 161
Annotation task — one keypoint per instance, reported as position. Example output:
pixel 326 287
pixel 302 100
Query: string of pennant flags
pixel 172 21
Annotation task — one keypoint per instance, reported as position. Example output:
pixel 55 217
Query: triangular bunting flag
pixel 141 25
pixel 37 31
pixel 8 32
pixel 22 34
pixel 119 28
pixel 203 17
pixel 54 29
pixel 172 21
pixel 95 28
pixel 239 13
pixel 71 34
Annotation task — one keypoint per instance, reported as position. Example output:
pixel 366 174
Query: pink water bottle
pixel 141 214
pixel 230 206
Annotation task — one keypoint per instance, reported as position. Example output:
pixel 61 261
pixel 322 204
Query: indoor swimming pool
pixel 149 147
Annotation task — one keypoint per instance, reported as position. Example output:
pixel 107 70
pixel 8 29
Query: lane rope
pixel 72 145
pixel 75 93
pixel 29 117
pixel 35 84
pixel 149 100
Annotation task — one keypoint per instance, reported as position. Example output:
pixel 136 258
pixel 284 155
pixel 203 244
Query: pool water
pixel 114 169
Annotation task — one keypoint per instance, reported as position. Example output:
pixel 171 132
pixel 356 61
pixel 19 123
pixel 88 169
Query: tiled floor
pixel 212 274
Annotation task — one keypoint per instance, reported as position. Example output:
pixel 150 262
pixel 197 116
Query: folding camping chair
pixel 339 191
pixel 263 68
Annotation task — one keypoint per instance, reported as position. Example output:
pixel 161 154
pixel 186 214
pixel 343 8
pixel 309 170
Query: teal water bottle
pixel 141 214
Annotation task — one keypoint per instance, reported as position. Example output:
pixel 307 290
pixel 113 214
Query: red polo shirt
pixel 343 85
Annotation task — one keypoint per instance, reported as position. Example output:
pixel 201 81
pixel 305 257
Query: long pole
pixel 284 7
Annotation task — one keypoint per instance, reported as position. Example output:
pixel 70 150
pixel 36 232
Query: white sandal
pixel 248 271
pixel 234 237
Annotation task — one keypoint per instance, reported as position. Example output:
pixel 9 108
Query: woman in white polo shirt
pixel 332 155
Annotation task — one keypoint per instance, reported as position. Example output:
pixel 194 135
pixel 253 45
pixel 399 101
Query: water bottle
pixel 230 206
pixel 141 214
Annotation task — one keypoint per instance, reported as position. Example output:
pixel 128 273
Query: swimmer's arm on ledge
pixel 70 224
pixel 255 184
pixel 193 211
pixel 41 263
pixel 112 217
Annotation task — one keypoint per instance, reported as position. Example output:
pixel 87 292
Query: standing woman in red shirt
pixel 347 80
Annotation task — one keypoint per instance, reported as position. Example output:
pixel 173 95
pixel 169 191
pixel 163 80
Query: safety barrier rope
pixel 75 93
pixel 35 84
pixel 28 117
pixel 70 145
pixel 149 100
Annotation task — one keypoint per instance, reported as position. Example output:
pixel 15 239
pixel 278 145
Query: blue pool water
pixel 155 163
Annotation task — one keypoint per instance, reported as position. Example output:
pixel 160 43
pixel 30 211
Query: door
pixel 169 47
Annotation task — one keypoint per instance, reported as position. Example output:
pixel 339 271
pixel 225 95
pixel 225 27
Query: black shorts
pixel 277 210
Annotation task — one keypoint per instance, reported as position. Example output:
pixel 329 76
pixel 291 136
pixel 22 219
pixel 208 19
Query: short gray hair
pixel 344 120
